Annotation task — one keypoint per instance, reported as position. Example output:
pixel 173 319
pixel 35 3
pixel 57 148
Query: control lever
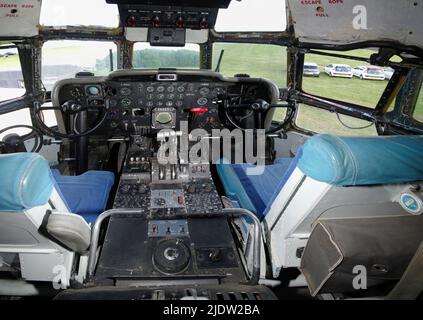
pixel 215 254
pixel 162 173
pixel 174 172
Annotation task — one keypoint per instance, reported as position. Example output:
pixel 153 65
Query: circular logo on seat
pixel 411 203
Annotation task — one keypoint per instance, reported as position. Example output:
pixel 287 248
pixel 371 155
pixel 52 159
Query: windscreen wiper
pixel 219 61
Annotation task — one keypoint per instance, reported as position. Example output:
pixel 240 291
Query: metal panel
pixel 345 22
pixel 19 18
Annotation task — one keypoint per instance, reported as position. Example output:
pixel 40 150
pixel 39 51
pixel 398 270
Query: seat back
pixel 28 197
pixel 342 177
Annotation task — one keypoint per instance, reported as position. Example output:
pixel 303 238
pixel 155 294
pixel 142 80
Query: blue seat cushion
pixel 86 194
pixel 253 192
pixel 360 161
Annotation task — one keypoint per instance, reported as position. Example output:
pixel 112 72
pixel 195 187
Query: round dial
pixel 125 91
pixel 202 101
pixel 112 103
pixel 77 92
pixel 125 102
pixel 219 91
pixel 204 91
pixel 93 91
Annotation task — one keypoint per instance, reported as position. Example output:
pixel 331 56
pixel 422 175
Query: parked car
pixel 311 69
pixel 339 70
pixel 389 72
pixel 369 73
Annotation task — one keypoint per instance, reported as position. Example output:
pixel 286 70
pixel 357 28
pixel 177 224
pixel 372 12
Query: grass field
pixel 266 61
pixel 9 63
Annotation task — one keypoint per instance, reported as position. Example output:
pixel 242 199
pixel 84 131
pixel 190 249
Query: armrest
pixel 71 230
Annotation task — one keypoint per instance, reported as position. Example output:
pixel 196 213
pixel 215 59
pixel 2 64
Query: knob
pixel 203 23
pixel 156 22
pixel 215 254
pixel 131 21
pixel 180 22
pixel 125 188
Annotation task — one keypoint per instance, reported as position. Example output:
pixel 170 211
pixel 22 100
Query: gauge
pixel 150 104
pixel 171 89
pixel 77 92
pixel 150 89
pixel 160 89
pixel 111 91
pixel 125 91
pixel 181 89
pixel 202 101
pixel 169 103
pixel 126 102
pixel 179 103
pixel 219 91
pixel 150 96
pixel 204 91
pixel 112 103
pixel 160 96
pixel 93 91
pixel 171 96
pixel 181 96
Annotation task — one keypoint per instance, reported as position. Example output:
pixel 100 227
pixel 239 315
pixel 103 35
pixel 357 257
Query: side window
pixel 347 80
pixel 12 86
pixel 15 118
pixel 322 121
pixel 418 111
pixel 11 78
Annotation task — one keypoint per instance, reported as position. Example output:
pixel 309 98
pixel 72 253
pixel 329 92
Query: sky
pixel 245 15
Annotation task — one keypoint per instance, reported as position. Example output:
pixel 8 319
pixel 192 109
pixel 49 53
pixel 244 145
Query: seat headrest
pixel 354 161
pixel 25 181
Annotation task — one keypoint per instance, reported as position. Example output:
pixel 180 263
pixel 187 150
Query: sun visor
pixel 19 18
pixel 345 22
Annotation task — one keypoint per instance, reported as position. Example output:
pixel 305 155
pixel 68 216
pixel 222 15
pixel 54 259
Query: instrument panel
pixel 147 103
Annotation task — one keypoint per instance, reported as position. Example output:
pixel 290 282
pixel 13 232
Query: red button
pixel 198 111
pixel 181 200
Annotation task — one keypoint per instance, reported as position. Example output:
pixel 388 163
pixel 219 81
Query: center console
pixel 165 190
pixel 176 230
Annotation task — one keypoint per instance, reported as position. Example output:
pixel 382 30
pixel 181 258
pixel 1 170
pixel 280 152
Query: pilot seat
pixel 330 177
pixel 41 237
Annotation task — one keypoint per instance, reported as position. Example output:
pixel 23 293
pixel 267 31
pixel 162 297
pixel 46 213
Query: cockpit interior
pixel 257 170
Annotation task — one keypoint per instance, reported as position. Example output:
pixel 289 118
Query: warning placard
pixel 19 18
